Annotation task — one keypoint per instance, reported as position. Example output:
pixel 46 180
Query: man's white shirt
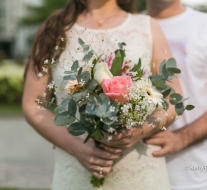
pixel 187 38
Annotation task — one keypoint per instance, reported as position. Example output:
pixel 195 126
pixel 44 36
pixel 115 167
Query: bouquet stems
pixel 97 182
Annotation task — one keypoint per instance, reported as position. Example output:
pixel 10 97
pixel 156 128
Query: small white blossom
pixel 109 138
pixel 51 85
pixel 158 119
pixel 163 128
pixel 39 75
pixel 45 69
pixel 151 125
pixel 44 94
pixel 111 130
pixel 53 61
pixel 46 61
pixel 112 109
pixel 41 108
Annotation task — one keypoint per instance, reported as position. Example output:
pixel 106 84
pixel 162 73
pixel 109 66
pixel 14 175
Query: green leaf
pixel 138 66
pixel 90 109
pixel 64 119
pixel 117 65
pixel 86 47
pixel 166 93
pixel 63 105
pixel 179 108
pixel 158 82
pixel 88 56
pixel 72 107
pixel 175 98
pixel 174 70
pixel 97 133
pixel 189 107
pixel 76 129
pixel 171 63
pixel 80 41
pixel 78 95
pixel 85 76
pixel 163 70
pixel 75 66
pixel 165 105
pixel 69 77
pixel 121 45
pixel 91 85
pixel 80 71
pixel 69 72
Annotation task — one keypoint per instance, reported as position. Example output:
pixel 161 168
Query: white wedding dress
pixel 137 169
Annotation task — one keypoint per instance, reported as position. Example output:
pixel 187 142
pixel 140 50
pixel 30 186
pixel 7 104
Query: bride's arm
pixel 129 138
pixel 88 155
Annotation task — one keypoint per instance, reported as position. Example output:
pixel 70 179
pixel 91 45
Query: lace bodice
pixel 137 169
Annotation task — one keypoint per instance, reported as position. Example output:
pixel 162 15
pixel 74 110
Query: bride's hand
pixel 123 140
pixel 93 158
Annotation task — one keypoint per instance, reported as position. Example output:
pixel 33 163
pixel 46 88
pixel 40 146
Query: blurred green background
pixel 23 165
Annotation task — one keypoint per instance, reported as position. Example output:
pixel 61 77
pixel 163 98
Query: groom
pixel 185 143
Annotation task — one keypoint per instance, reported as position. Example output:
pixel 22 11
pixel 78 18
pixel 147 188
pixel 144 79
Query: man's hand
pixel 169 141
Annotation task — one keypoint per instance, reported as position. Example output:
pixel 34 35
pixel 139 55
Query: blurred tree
pixel 140 5
pixel 202 8
pixel 37 14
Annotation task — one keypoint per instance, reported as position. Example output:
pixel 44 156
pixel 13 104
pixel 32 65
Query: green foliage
pixel 11 82
pixel 117 64
pixel 37 14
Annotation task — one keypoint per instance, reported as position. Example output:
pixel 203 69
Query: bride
pixel 125 162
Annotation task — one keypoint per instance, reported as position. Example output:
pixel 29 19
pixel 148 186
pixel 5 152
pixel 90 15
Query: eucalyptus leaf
pixel 171 63
pixel 174 70
pixel 69 72
pixel 91 85
pixel 84 76
pixel 158 82
pixel 88 56
pixel 63 105
pixel 72 107
pixel 78 95
pixel 80 71
pixel 64 119
pixel 75 66
pixel 80 41
pixel 166 93
pixel 179 108
pixel 175 98
pixel 189 107
pixel 165 105
pixel 91 109
pixel 76 129
pixel 117 65
pixel 85 47
pixel 162 69
pixel 69 77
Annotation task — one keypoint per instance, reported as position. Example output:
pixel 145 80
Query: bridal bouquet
pixel 112 96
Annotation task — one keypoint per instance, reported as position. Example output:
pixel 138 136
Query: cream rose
pixel 101 72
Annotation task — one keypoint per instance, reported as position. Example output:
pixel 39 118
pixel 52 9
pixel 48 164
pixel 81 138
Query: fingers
pixel 101 162
pixel 111 150
pixel 155 141
pixel 160 152
pixel 101 172
pixel 107 155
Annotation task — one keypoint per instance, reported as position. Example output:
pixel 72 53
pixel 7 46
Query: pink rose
pixel 117 88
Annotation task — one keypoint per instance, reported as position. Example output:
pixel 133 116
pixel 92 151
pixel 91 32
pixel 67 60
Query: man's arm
pixel 172 142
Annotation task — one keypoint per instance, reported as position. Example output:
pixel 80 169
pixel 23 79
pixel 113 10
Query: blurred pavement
pixel 26 159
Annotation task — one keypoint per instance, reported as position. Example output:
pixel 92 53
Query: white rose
pixel 101 71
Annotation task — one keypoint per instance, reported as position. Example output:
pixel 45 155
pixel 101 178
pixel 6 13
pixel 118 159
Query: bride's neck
pixel 100 8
